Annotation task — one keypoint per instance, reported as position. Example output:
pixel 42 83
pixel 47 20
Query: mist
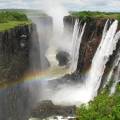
pixel 57 37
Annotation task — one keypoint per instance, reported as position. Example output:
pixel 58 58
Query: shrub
pixel 6 16
pixel 104 107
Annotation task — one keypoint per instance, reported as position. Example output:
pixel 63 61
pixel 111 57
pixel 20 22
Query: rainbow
pixel 32 76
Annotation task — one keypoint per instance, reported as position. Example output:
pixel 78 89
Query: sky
pixel 72 5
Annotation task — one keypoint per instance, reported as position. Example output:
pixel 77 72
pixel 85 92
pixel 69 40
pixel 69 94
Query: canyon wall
pixel 14 52
pixel 14 62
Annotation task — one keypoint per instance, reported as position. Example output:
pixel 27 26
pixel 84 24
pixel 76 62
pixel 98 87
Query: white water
pixel 76 41
pixel 116 80
pixel 109 77
pixel 105 49
pixel 116 74
pixel 115 64
pixel 105 30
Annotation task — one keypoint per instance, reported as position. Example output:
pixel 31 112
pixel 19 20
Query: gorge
pixel 91 47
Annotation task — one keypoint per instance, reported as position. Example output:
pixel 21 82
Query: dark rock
pixel 14 52
pixel 63 58
pixel 46 109
pixel 14 62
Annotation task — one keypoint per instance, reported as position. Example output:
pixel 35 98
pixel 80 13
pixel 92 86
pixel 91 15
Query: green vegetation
pixel 29 12
pixel 104 107
pixel 12 24
pixel 12 19
pixel 100 15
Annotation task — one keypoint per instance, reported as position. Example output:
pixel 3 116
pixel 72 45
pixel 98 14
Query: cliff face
pixel 90 41
pixel 14 52
pixel 14 62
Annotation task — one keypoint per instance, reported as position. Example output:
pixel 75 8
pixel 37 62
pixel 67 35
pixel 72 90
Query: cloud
pixel 101 5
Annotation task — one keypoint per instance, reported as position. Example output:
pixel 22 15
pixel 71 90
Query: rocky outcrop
pixel 14 52
pixel 63 58
pixel 47 109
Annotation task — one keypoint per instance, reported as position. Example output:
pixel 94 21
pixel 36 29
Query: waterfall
pixel 105 30
pixel 78 32
pixel 101 57
pixel 114 65
pixel 116 80
pixel 109 77
pixel 116 73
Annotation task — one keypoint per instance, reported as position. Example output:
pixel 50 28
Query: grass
pixel 9 20
pixel 12 24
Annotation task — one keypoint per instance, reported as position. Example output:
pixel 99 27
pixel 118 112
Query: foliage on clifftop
pixel 12 19
pixel 100 15
pixel 104 107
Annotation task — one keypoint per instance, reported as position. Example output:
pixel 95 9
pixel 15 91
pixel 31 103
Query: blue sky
pixel 94 5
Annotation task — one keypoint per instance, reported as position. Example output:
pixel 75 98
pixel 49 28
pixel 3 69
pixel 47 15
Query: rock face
pixel 14 62
pixel 14 52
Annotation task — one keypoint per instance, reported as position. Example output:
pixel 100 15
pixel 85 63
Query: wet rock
pixel 46 109
pixel 63 58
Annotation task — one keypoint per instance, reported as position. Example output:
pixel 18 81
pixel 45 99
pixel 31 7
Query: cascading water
pixel 116 79
pixel 105 49
pixel 115 64
pixel 105 30
pixel 76 41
